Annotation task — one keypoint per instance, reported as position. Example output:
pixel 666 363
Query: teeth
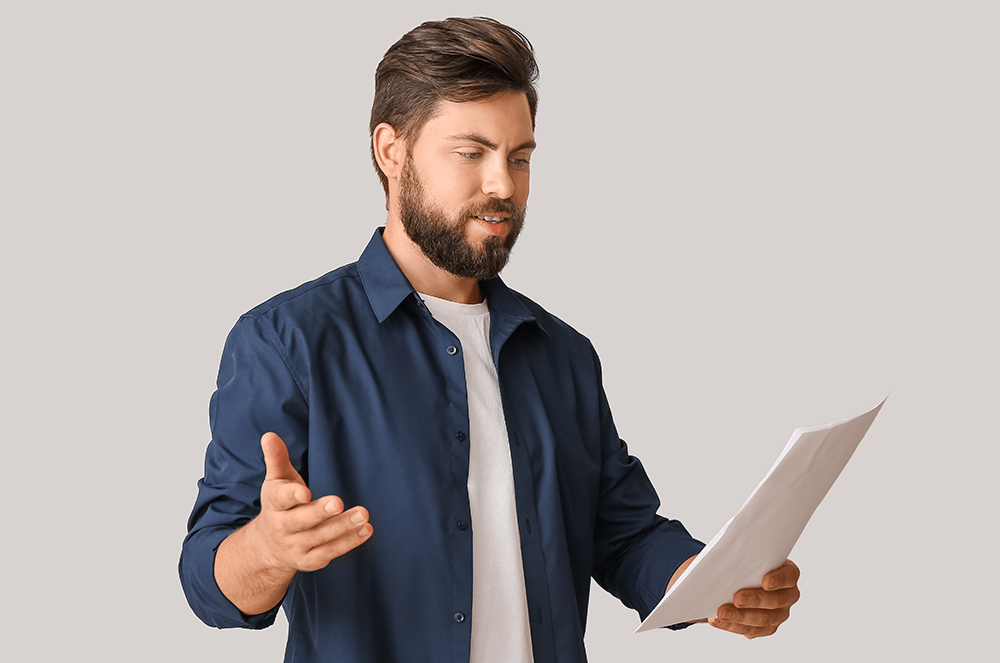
pixel 491 219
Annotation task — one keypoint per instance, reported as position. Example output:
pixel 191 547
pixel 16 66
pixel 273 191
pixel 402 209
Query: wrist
pixel 259 545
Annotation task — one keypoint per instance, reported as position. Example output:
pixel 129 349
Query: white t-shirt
pixel 500 628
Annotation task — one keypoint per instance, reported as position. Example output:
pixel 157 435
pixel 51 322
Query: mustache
pixel 495 206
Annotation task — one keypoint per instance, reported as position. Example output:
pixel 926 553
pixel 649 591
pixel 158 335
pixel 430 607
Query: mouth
pixel 494 225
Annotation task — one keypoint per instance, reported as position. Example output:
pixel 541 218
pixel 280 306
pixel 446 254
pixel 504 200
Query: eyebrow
pixel 486 142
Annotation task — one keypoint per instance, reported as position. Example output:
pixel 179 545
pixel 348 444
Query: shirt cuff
pixel 197 571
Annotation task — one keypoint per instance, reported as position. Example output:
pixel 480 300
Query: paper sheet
pixel 761 534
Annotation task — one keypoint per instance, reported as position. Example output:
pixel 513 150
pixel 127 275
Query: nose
pixel 497 182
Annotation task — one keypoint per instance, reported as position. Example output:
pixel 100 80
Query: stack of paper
pixel 761 534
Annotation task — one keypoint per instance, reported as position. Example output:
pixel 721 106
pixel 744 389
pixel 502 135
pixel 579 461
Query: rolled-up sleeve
pixel 256 393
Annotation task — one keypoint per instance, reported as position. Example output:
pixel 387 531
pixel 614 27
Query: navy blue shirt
pixel 368 392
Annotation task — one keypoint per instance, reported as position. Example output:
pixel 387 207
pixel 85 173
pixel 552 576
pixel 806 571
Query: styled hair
pixel 458 59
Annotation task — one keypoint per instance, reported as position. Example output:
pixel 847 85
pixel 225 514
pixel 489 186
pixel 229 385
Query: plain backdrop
pixel 763 214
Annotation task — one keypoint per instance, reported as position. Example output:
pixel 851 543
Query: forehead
pixel 505 119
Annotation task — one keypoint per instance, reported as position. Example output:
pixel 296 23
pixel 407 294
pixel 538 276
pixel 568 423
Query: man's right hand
pixel 255 564
pixel 295 533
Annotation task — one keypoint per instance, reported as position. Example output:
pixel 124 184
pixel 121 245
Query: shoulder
pixel 302 319
pixel 333 289
pixel 292 328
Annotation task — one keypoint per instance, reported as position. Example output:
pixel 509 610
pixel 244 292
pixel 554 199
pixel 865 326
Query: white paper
pixel 762 533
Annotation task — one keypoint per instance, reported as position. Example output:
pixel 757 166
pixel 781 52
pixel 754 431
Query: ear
pixel 389 150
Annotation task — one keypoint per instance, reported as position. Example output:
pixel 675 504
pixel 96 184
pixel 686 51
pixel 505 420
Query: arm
pixel 231 575
pixel 634 547
pixel 636 551
pixel 679 572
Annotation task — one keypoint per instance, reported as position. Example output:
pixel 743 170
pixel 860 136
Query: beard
pixel 443 240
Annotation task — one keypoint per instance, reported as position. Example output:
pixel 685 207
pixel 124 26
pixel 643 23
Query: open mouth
pixel 491 219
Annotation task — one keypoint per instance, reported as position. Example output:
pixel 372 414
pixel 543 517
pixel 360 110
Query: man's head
pixel 452 134
pixel 458 59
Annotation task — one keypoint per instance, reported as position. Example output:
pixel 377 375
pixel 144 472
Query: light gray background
pixel 764 215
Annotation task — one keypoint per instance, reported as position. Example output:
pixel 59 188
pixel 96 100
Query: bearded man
pixel 465 425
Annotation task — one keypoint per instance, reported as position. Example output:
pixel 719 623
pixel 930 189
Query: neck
pixel 423 275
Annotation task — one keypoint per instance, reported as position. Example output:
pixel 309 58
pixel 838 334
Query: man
pixel 467 426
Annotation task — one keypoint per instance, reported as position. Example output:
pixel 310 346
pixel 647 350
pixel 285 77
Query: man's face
pixel 463 187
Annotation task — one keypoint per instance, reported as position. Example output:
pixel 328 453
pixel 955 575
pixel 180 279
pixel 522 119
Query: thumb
pixel 276 459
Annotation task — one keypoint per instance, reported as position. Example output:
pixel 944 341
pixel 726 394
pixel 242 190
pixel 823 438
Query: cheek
pixel 457 190
pixel 522 188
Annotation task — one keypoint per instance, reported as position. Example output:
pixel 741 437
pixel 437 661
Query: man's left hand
pixel 760 610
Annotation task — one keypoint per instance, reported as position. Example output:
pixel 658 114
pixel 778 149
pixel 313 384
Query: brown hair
pixel 458 59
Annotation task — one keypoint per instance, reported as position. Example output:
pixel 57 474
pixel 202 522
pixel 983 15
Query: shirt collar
pixel 385 284
pixel 504 302
pixel 387 287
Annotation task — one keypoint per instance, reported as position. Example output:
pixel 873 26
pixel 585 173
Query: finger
pixel 783 577
pixel 742 629
pixel 276 459
pixel 312 525
pixel 354 519
pixel 760 598
pixel 349 531
pixel 752 617
pixel 312 515
pixel 320 556
pixel 280 495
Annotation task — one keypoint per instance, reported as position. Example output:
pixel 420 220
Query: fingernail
pixel 365 531
pixel 742 600
pixel 726 614
pixel 357 517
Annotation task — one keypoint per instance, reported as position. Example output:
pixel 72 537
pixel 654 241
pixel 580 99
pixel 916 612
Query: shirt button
pixel 459 436
pixel 452 350
pixel 459 617
pixel 463 525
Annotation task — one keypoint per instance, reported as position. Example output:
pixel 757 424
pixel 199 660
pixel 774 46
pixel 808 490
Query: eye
pixel 471 155
pixel 519 162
